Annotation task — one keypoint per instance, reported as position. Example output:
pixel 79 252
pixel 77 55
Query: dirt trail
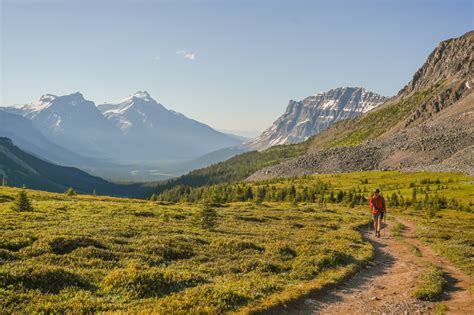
pixel 385 285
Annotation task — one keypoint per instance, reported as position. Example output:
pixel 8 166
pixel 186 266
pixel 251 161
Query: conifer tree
pixel 22 202
pixel 207 217
pixel 70 192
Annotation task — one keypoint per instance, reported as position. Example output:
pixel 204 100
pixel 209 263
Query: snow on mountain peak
pixel 47 98
pixel 142 94
pixel 315 113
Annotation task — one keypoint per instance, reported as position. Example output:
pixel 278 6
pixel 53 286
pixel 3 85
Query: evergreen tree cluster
pixel 236 168
pixel 423 198
pixel 316 192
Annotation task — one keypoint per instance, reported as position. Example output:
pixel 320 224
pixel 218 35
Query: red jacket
pixel 377 204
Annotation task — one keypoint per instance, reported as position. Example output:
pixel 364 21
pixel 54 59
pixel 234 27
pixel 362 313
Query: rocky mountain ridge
pixel 314 114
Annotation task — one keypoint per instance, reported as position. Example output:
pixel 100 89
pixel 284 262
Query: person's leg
pixel 379 222
pixel 376 223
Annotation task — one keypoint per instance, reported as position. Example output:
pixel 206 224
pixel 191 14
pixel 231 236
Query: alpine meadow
pixel 357 199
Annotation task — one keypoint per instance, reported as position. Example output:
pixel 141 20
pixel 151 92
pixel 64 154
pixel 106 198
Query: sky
pixel 231 64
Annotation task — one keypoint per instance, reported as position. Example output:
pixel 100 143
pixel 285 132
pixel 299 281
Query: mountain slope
pixel 314 114
pixel 429 124
pixel 22 132
pixel 137 128
pixel 236 168
pixel 152 130
pixel 73 123
pixel 22 168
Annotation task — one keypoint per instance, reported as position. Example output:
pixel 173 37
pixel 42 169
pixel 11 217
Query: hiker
pixel 377 205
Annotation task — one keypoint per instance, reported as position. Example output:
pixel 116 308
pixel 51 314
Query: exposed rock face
pixel 437 135
pixel 453 59
pixel 315 114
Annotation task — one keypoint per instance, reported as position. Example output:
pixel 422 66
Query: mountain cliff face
pixel 315 114
pixel 429 125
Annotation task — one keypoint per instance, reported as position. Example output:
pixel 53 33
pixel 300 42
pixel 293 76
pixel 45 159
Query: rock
pixel 437 136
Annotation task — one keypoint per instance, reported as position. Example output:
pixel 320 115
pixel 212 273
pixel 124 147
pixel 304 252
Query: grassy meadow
pixel 86 253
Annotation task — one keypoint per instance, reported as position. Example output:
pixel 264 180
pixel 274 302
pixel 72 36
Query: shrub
pixel 137 282
pixel 433 283
pixel 219 299
pixel 235 245
pixel 92 252
pixel 306 268
pixel 16 243
pixel 64 245
pixel 170 250
pixel 47 279
pixel 22 202
pixel 6 255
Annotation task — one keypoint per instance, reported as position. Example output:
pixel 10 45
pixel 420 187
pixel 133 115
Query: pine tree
pixel 70 192
pixel 249 194
pixel 207 217
pixel 22 202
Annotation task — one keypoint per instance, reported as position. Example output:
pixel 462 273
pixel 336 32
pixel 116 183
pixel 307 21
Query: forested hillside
pixel 236 168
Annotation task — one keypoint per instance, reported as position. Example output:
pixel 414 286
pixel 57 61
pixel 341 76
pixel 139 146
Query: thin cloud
pixel 186 54
pixel 157 58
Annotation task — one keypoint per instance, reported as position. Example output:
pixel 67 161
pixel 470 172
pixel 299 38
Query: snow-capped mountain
pixel 135 128
pixel 160 131
pixel 303 119
pixel 138 111
pixel 73 122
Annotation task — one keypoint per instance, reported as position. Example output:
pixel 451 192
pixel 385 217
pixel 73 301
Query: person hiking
pixel 377 206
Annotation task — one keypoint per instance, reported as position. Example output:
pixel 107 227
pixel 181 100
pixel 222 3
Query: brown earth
pixel 385 286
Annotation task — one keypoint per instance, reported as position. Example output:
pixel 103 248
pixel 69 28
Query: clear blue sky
pixel 231 64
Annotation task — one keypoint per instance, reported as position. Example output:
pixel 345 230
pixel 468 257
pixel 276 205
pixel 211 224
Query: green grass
pixel 87 254
pixel 451 234
pixel 446 229
pixel 432 284
pixel 397 230
pixel 441 309
pixel 92 254
pixel 416 251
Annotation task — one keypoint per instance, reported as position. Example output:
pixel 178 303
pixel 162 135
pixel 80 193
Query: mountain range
pixel 428 125
pixel 136 128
